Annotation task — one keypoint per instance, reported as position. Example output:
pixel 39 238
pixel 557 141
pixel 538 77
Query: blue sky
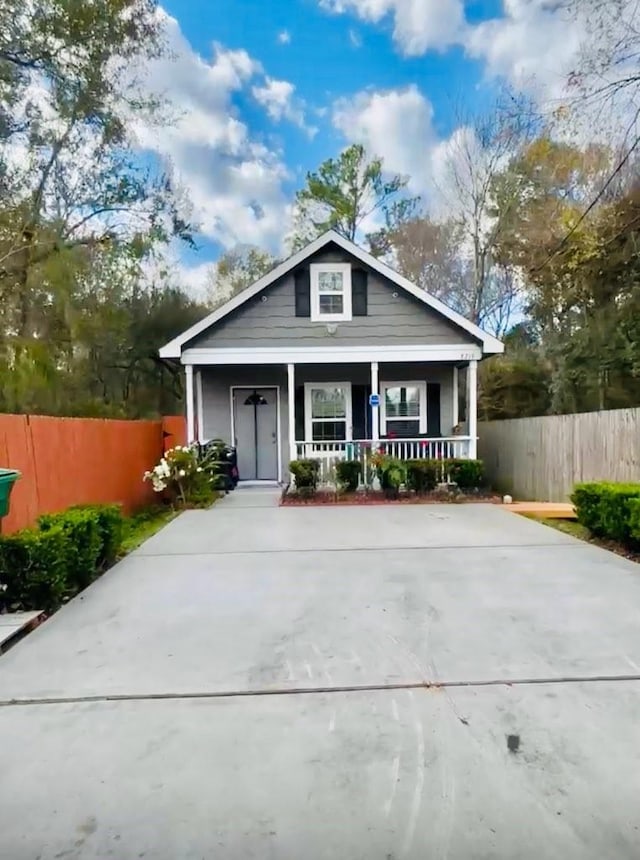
pixel 266 90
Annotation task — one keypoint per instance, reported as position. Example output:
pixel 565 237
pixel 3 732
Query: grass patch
pixel 576 530
pixel 569 527
pixel 143 525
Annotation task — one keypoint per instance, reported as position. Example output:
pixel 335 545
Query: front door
pixel 255 421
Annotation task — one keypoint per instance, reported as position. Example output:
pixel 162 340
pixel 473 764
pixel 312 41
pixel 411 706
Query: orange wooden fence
pixel 71 461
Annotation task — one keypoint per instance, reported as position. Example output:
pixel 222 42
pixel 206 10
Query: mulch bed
pixel 328 497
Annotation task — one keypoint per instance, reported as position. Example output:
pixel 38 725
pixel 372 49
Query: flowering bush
pixel 183 476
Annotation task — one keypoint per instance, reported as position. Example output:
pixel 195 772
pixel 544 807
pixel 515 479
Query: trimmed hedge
pixel 306 473
pixel 33 568
pixel 609 510
pixel 348 474
pixel 111 527
pixel 634 519
pixel 423 475
pixel 467 474
pixel 42 566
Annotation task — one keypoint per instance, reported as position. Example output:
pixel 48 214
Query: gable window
pixel 404 409
pixel 330 292
pixel 327 411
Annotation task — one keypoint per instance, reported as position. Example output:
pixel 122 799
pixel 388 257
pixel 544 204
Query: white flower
pixel 182 473
pixel 198 470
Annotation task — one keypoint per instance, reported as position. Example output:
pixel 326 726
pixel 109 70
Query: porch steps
pixel 14 625
pixel 544 510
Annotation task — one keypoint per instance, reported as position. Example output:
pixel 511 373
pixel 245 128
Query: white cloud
pixel 233 182
pixel 394 124
pixel 418 24
pixel 278 99
pixel 533 47
pixel 397 126
pixel 284 37
pixel 195 280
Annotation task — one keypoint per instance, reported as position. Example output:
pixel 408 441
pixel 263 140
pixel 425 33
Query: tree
pixel 80 214
pixel 480 198
pixel 579 273
pixel 235 271
pixel 607 69
pixel 516 384
pixel 436 256
pixel 350 194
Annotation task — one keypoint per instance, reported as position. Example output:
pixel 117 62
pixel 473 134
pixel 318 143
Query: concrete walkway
pixel 247 685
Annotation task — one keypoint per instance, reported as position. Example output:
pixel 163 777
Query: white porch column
pixel 472 409
pixel 191 426
pixel 455 416
pixel 291 376
pixel 375 410
pixel 199 407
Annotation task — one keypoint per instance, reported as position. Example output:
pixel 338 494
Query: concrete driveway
pixel 247 685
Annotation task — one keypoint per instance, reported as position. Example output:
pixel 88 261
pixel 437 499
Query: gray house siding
pixel 217 383
pixel 394 318
pixel 216 400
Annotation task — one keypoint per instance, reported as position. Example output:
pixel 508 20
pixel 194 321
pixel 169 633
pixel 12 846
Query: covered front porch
pixel 273 413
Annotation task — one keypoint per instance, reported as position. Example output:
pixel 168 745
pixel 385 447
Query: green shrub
pixel 306 474
pixel 467 474
pixel 111 526
pixel 348 474
pixel 108 523
pixel 186 476
pixel 634 520
pixel 586 500
pixel 392 474
pixel 33 567
pixel 606 509
pixel 81 528
pixel 614 510
pixel 422 475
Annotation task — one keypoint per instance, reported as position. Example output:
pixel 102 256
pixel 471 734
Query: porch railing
pixel 330 453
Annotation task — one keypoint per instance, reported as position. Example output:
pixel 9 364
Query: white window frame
pixel 421 386
pixel 309 420
pixel 315 270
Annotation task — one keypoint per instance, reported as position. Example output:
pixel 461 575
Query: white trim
pixel 276 388
pixel 291 394
pixel 490 344
pixel 332 355
pixel 456 397
pixel 422 420
pixel 199 407
pixel 308 417
pixel 375 410
pixel 189 404
pixel 472 417
pixel 315 270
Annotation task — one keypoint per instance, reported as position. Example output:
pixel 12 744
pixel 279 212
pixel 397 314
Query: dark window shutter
pixel 360 415
pixel 303 293
pixel 300 413
pixel 359 298
pixel 433 410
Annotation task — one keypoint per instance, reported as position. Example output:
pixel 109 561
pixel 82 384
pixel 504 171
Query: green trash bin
pixel 8 477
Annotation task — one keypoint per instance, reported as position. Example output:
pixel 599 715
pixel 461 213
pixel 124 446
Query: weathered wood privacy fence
pixel 540 459
pixel 70 461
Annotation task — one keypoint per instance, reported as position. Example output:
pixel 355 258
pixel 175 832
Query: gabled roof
pixel 490 344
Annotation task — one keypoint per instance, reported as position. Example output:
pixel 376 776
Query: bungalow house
pixel 327 356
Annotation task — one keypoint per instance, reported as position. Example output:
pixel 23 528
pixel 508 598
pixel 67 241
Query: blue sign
pixel 374 400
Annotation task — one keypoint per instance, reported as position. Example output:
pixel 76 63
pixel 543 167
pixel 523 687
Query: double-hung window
pixel 404 409
pixel 331 292
pixel 327 411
